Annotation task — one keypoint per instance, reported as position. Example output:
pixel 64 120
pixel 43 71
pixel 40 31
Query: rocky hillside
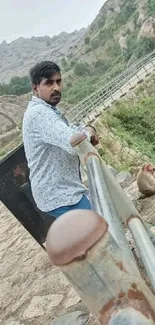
pixel 119 22
pixel 127 128
pixel 17 57
pixel 123 32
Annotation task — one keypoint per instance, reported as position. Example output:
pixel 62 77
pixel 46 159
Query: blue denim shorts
pixel 83 204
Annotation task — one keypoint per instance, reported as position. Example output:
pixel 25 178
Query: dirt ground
pixel 32 292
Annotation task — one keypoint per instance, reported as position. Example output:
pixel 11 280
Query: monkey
pixel 134 172
pixel 146 180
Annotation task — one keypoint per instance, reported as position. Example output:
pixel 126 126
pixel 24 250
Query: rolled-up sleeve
pixel 54 131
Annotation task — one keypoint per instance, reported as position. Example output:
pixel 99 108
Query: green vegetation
pixel 133 121
pixel 102 56
pixel 83 87
pixel 151 7
pixel 64 62
pixel 89 83
pixel 101 59
pixel 139 47
pixel 82 69
pixel 17 86
pixel 87 40
pixel 103 38
pixel 126 11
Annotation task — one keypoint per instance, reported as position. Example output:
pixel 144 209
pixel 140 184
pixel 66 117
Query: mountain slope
pixel 17 57
pixel 123 32
pixel 117 23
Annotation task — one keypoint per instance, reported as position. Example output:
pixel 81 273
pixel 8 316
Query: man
pixel 53 163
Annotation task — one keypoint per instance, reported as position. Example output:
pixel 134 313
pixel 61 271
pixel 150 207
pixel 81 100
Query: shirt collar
pixel 37 100
pixel 41 101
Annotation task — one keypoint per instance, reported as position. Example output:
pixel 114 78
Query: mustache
pixel 56 93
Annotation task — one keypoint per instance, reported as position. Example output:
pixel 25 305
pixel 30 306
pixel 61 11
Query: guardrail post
pixel 112 203
pixel 99 193
pixel 144 238
pixel 80 244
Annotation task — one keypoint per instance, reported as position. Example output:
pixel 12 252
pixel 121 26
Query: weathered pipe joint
pixel 80 243
pixel 130 316
pixel 73 234
pixel 83 147
pixel 77 138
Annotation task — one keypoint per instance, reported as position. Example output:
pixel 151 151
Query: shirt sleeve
pixel 81 128
pixel 54 131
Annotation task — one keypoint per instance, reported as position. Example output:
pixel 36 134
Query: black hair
pixel 44 69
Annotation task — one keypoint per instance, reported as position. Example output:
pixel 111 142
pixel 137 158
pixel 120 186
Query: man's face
pixel 49 89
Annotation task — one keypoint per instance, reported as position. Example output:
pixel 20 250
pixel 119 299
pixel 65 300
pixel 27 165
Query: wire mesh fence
pixel 108 93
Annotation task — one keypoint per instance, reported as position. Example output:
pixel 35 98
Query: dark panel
pixel 15 193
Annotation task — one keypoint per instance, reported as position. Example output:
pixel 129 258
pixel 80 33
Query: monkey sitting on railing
pixel 146 179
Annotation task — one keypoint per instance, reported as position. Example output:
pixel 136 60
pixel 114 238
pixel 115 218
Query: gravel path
pixel 31 290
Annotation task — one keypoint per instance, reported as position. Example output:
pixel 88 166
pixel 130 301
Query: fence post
pixel 80 244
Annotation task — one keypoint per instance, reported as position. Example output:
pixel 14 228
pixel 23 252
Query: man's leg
pixel 83 204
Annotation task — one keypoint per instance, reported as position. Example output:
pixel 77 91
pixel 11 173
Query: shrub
pixel 151 7
pixel 81 69
pixel 95 43
pixel 16 86
pixel 87 40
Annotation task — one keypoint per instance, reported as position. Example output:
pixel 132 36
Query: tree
pixel 102 65
pixel 64 62
pixel 87 40
pixel 72 63
pixel 144 46
pixel 101 22
pixel 139 47
pixel 82 69
pixel 114 49
pixel 95 43
pixel 151 7
pixel 16 86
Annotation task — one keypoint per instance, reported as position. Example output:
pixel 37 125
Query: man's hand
pixel 94 136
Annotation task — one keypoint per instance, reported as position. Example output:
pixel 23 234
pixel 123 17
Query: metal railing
pixel 106 94
pixel 96 257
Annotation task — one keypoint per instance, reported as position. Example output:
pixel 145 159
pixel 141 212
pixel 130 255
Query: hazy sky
pixel 47 17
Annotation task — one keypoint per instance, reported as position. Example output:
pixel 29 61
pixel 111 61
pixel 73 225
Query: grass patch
pixel 134 123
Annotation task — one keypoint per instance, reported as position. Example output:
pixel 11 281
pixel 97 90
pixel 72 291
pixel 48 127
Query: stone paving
pixel 32 292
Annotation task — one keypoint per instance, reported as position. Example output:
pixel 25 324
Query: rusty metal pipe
pixel 102 203
pixel 99 192
pixel 80 244
pixel 144 246
pixel 130 316
pixel 143 237
pixel 110 201
pixel 123 205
